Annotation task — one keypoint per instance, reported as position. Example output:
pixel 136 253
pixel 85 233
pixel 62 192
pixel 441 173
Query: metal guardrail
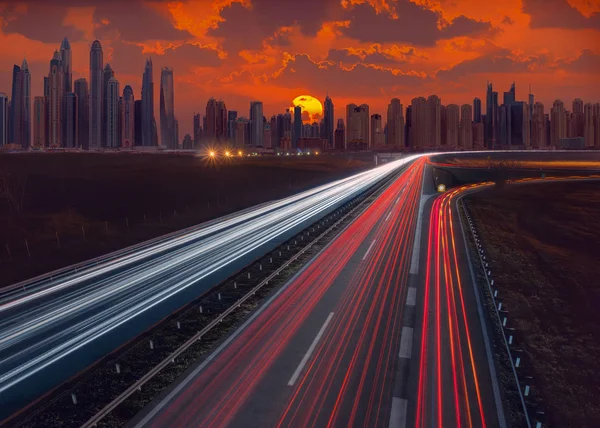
pixel 93 421
pixel 489 283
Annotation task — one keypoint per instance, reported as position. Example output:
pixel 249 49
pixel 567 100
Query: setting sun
pixel 312 109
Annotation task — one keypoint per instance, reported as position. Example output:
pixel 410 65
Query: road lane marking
pixel 306 357
pixel 398 415
pixel 388 216
pixel 369 249
pixel 414 264
pixel 411 296
pixel 406 342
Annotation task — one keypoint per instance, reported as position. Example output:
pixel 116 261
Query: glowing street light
pixel 227 154
pixel 212 154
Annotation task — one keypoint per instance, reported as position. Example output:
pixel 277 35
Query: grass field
pixel 542 240
pixel 75 206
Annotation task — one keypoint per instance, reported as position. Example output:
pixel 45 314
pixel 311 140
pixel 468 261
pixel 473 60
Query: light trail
pixel 359 346
pixel 50 319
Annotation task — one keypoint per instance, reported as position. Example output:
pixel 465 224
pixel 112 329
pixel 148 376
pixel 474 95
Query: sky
pixel 356 51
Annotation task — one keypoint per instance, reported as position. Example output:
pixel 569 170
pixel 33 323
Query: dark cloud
pixel 247 28
pixel 586 62
pixel 558 14
pixel 499 62
pixel 137 21
pixel 364 79
pixel 416 25
pixel 508 21
pixel 349 58
pixel 34 23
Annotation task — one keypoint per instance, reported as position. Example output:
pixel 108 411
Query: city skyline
pixel 521 44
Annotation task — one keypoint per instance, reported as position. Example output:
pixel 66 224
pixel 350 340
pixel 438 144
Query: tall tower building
pixel 256 124
pixel 578 118
pixel 588 129
pixel 16 107
pixel 491 117
pixel 596 113
pixel 377 136
pixel 197 129
pixel 434 120
pixel 137 122
pixel 328 118
pixel 452 125
pixel 476 110
pixel 96 96
pixel 83 113
pixel 231 125
pixel 510 96
pixel 112 113
pixel 538 126
pixel 420 129
pixel 56 81
pixel 357 128
pixel 210 128
pixel 128 118
pixel 70 121
pixel 466 126
pixel 443 124
pixel 3 119
pixel 531 103
pixel 107 74
pixel 221 121
pixel 148 121
pixel 26 105
pixel 558 123
pixel 67 62
pixel 167 109
pixel 395 124
pixel 340 138
pixel 297 126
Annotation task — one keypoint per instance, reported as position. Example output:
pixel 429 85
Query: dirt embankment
pixel 542 240
pixel 64 208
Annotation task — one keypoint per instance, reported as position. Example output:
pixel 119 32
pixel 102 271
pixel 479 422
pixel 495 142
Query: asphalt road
pixel 324 350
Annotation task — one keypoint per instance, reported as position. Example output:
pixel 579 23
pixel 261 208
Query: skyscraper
pixel 148 122
pixel 297 126
pixel 197 129
pixel 578 118
pixel 128 118
pixel 256 124
pixel 83 113
pixel 39 122
pixel 221 129
pixel 96 96
pixel 3 119
pixel 538 126
pixel 107 74
pixel 26 105
pixel 466 126
pixel 588 128
pixel 112 113
pixel 491 116
pixel 519 120
pixel 395 124
pixel 434 120
pixel 231 125
pixel 328 118
pixel 510 96
pixel 16 108
pixel 357 126
pixel 377 137
pixel 340 138
pixel 452 125
pixel 167 109
pixel 476 110
pixel 557 123
pixel 67 63
pixel 596 113
pixel 137 122
pixel 70 121
pixel 420 128
pixel 56 82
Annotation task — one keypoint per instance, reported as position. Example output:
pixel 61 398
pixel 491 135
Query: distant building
pixel 558 123
pixel 256 124
pixel 466 126
pixel 96 96
pixel 573 143
pixel 452 125
pixel 70 120
pixel 357 127
pixel 340 137
pixel 167 109
pixel 312 144
pixel 197 129
pixel 434 120
pixel 83 113
pixel 395 124
pixel 148 123
pixel 112 114
pixel 538 126
pixel 188 142
pixel 231 125
pixel 4 119
pixel 297 133
pixel 107 74
pixel 377 136
pixel 128 126
pixel 420 129
pixel 476 110
pixel 55 111
pixel 327 131
pixel 137 122
pixel 20 112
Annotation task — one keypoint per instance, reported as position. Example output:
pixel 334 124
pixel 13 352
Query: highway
pixel 324 350
pixel 54 326
pixel 381 329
